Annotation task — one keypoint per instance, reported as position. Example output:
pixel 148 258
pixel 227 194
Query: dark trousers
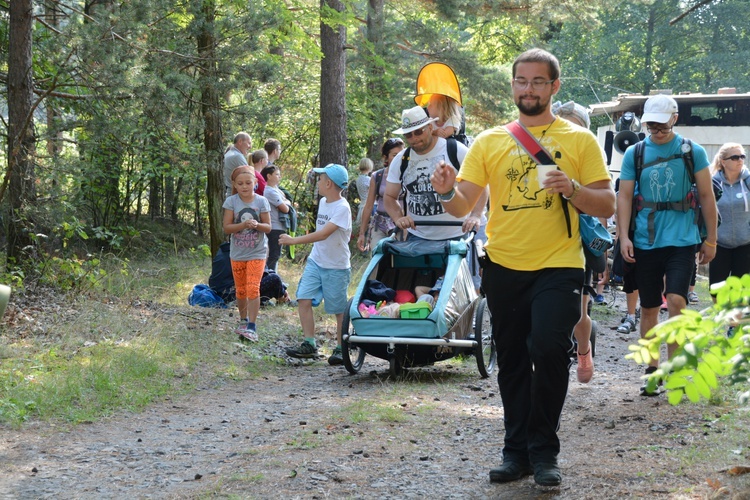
pixel 533 315
pixel 274 249
pixel 729 261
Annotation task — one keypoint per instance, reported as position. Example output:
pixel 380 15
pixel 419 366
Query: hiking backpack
pixel 451 146
pixel 452 149
pixel 691 200
pixel 460 135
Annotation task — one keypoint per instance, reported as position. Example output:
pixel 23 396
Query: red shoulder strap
pixel 532 147
pixel 529 143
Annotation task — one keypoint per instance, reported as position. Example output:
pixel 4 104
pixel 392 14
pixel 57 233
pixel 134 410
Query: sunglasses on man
pixel 415 133
pixel 654 129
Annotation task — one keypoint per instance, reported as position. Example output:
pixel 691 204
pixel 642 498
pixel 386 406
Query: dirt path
pixel 317 432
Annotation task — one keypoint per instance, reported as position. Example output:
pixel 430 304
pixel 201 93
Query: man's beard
pixel 535 109
pixel 422 147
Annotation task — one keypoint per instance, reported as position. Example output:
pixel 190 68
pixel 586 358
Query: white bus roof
pixel 634 102
pixel 708 119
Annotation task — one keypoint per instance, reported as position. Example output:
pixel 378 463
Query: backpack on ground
pixel 221 280
pixel 203 296
pixel 271 287
pixel 691 200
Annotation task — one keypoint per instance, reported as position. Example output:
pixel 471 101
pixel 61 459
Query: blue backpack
pixel 203 296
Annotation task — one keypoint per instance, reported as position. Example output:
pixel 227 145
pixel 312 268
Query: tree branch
pixel 691 9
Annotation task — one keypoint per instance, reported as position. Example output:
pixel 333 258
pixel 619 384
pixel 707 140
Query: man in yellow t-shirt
pixel 534 276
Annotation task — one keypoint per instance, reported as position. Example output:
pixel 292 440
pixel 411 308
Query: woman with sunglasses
pixel 733 250
pixel 370 233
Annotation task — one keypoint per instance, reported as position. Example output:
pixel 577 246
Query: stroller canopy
pixel 437 78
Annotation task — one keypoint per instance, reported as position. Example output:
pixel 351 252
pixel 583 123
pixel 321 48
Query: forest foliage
pixel 120 88
pixel 130 105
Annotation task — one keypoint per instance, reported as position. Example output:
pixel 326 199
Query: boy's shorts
pixel 327 285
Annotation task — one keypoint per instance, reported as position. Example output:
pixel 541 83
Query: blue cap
pixel 336 173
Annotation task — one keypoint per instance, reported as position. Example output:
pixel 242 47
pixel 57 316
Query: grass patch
pixel 304 441
pixel 128 337
pixel 245 477
pixel 93 382
pixel 369 411
pixel 121 346
pixel 87 374
pixel 724 429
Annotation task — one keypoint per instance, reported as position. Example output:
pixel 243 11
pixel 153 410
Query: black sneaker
pixel 336 358
pixel 645 391
pixel 547 474
pixel 304 350
pixel 510 470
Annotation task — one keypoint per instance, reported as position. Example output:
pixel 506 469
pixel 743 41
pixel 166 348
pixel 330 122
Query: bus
pixel 707 119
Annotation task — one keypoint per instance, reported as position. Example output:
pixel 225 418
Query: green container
pixel 419 310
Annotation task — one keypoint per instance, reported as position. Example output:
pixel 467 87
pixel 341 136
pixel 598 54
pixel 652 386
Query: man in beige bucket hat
pixel 423 155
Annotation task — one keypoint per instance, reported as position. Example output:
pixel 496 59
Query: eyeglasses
pixel 536 84
pixel 658 130
pixel 735 157
pixel 415 133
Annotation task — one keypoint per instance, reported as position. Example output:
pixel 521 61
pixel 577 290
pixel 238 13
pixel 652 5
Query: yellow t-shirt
pixel 526 229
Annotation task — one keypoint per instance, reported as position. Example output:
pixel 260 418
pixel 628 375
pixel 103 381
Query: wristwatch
pixel 576 188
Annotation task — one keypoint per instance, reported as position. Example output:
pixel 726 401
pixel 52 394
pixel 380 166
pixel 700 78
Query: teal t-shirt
pixel 667 181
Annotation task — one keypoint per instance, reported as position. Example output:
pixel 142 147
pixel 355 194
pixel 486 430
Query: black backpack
pixel 221 280
pixel 452 149
pixel 461 136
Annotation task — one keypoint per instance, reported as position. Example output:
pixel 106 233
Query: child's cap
pixel 336 173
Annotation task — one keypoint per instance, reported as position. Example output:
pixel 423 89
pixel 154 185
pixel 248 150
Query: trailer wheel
pixel 354 356
pixel 592 338
pixel 485 351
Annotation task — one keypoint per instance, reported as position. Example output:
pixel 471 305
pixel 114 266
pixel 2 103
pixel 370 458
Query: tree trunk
pixel 211 122
pixel 332 88
pixel 647 62
pixel 171 193
pixel 197 219
pixel 154 197
pixel 376 76
pixel 54 137
pixel 21 139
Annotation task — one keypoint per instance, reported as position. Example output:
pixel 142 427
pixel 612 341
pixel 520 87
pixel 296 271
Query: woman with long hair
pixel 376 226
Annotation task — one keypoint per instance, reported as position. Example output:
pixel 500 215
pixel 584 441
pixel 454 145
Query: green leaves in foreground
pixel 707 349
